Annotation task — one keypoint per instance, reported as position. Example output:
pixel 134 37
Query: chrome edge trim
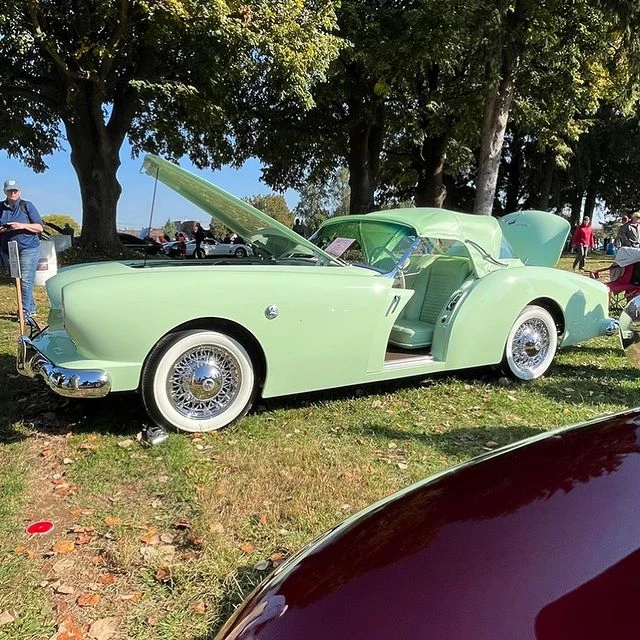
pixel 72 383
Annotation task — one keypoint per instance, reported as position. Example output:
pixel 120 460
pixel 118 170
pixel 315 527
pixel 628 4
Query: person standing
pixel 198 236
pixel 582 240
pixel 629 233
pixel 20 221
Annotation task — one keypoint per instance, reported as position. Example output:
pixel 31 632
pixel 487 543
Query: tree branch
pixel 40 38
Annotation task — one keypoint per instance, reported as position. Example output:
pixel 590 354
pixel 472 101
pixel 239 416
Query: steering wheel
pixel 380 252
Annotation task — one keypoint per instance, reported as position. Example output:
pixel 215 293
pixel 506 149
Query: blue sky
pixel 57 191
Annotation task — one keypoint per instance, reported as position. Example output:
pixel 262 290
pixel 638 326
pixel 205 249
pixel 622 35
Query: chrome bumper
pixel 73 383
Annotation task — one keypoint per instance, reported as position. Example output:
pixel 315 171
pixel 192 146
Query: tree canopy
pixel 164 74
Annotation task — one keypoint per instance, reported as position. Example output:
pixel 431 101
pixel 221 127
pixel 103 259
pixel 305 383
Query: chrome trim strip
pixel 413 361
pixel 72 383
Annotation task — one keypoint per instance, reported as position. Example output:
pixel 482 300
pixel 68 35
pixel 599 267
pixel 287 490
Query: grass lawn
pixel 163 543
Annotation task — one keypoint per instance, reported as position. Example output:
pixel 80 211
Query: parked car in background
pixel 393 294
pixel 148 245
pixel 209 248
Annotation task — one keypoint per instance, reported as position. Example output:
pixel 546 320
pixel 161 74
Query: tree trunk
pixel 513 174
pixel 95 156
pixel 545 181
pixel 430 189
pixel 365 146
pixel 494 125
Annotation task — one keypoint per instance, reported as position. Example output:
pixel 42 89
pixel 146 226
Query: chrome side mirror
pixel 630 331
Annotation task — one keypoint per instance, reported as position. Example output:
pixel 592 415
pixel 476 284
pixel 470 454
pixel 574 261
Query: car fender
pixel 475 333
pixel 120 317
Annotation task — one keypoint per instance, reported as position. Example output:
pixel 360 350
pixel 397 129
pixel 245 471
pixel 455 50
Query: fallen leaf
pixel 23 551
pixel 106 578
pixel 84 538
pixel 67 461
pixel 63 491
pixel 62 565
pixel 64 546
pixel 181 523
pixel 125 444
pixel 247 548
pixel 216 527
pixel 167 538
pixel 69 630
pixel 99 559
pixel 163 574
pixel 261 566
pixel 166 551
pixel 196 541
pixel 65 589
pixel 151 536
pixel 112 521
pixel 88 599
pixel 136 596
pixel 6 618
pixel 277 557
pixel 198 606
pixel 104 628
pixel 263 521
pixel 77 511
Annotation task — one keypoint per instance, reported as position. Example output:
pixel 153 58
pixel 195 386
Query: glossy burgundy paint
pixel 540 541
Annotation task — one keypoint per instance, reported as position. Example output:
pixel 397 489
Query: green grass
pixel 261 489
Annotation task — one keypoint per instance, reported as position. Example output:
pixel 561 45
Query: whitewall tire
pixel 531 344
pixel 198 381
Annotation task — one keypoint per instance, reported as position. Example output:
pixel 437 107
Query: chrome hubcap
pixel 531 344
pixel 204 381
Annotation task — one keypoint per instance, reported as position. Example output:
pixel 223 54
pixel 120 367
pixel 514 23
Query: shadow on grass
pixel 581 385
pixel 480 375
pixel 465 441
pixel 27 406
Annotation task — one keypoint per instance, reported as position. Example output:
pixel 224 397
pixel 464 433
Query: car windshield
pixel 380 245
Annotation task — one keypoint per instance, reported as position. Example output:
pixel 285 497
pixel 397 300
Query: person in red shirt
pixel 582 240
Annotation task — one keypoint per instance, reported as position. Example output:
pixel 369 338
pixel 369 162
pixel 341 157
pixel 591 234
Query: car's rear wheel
pixel 199 253
pixel 531 344
pixel 240 253
pixel 198 381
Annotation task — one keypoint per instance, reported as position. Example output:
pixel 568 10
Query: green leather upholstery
pixel 433 287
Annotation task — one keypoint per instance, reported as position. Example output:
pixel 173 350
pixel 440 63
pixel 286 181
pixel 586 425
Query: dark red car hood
pixel 539 540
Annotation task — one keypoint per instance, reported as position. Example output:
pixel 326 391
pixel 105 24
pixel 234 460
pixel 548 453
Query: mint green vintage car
pixel 368 298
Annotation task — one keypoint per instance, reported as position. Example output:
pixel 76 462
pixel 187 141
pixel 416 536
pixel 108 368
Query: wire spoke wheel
pixel 531 344
pixel 198 381
pixel 204 381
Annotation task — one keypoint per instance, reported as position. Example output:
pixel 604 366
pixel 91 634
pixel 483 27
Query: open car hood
pixel 254 226
pixel 536 237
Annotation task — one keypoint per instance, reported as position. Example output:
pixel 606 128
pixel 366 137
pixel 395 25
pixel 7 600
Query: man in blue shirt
pixel 20 221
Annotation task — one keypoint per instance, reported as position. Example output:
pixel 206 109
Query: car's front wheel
pixel 531 344
pixel 198 381
pixel 240 253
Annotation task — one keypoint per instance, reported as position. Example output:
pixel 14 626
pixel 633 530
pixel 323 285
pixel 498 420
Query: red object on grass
pixel 42 526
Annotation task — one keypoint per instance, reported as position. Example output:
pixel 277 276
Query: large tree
pixel 166 74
